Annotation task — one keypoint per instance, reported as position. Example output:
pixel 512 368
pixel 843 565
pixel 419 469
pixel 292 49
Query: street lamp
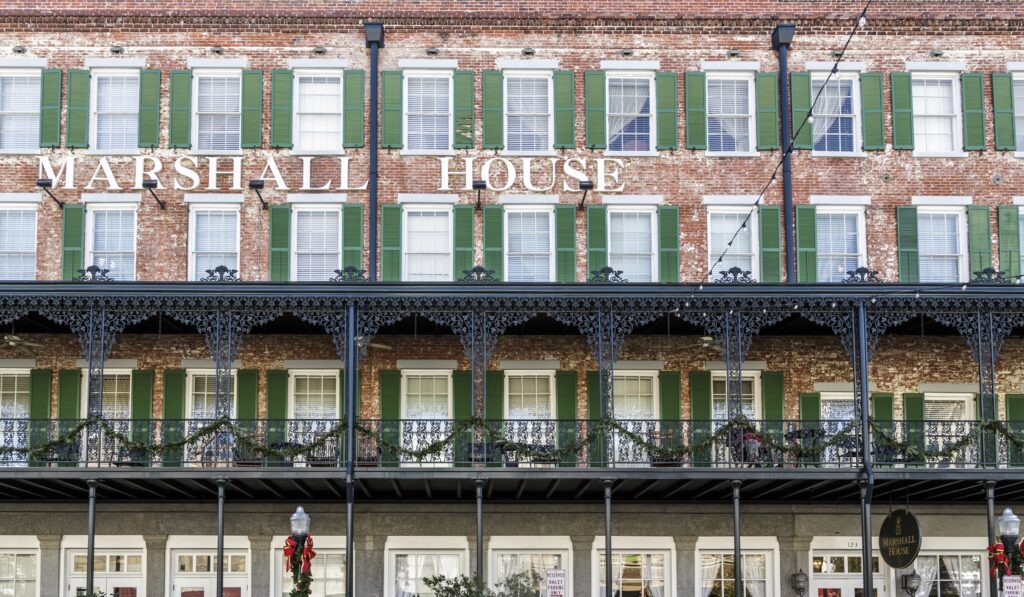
pixel 300 526
pixel 1009 533
pixel 798 582
pixel 299 553
pixel 911 582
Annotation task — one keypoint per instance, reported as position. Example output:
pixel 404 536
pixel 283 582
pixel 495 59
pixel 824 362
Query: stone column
pixel 49 564
pixel 260 546
pixel 793 553
pixel 156 565
pixel 369 565
pixel 582 552
pixel 686 562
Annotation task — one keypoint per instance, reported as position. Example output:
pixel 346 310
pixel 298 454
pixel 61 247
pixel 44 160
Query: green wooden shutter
pixel 671 426
pixel 667 100
pixel 767 89
pixel 1009 240
pixel 462 255
pixel 773 396
pixel 462 410
pixel 1015 423
pixel 495 410
pixel 806 244
pixel 252 108
pixel 696 111
pixel 565 411
pixel 352 236
pixel 463 109
pixel 77 133
pixel 902 111
pixel 494 240
pixel 142 394
pixel 49 107
pixel 174 412
pixel 149 107
pixel 881 406
pixel 972 88
pixel 391 109
pixel 565 243
pixel 810 409
pixel 597 449
pixel 771 243
pixel 69 393
pixel 280 243
pixel 282 83
pixel 906 240
pixel 390 414
pixel 881 413
pixel 493 110
pixel 72 241
pixel 872 111
pixel 565 109
pixel 352 135
pixel 800 100
pixel 700 415
pixel 40 382
pixel 594 102
pixel 390 242
pixel 179 126
pixel 668 243
pixel 277 408
pixel 248 387
pixel 979 238
pixel 913 418
pixel 597 238
pixel 1003 111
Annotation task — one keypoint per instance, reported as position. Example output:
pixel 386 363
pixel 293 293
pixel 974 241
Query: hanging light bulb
pixel 810 119
pixel 775 179
pixel 862 21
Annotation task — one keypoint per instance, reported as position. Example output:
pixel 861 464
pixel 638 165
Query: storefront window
pixel 635 574
pixel 525 574
pixel 18 574
pixel 328 570
pixel 718 575
pixel 412 569
pixel 949 575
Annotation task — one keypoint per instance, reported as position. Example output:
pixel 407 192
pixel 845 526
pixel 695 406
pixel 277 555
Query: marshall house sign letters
pixel 899 539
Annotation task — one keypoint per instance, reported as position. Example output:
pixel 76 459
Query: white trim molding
pixel 528 199
pixel 110 364
pixel 729 199
pixel 17 364
pixel 843 67
pixel 840 200
pixel 1018 200
pixel 431 63
pixel 20 197
pixel 534 64
pixel 103 62
pixel 632 199
pixel 438 364
pixel 936 67
pixel 332 63
pixel 27 62
pixel 547 365
pixel 317 198
pixel 218 63
pixel 942 200
pixel 630 64
pixel 214 198
pixel 427 198
pixel 111 197
pixel 318 364
pixel 720 65
pixel 1015 66
pixel 747 365
pixel 639 365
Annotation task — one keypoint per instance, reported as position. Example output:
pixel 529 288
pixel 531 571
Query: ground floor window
pixel 18 574
pixel 195 573
pixel 635 573
pixel 718 574
pixel 839 574
pixel 411 569
pixel 328 571
pixel 950 575
pixel 116 573
pixel 521 565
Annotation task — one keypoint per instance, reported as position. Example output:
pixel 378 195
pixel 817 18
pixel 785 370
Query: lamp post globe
pixel 1009 533
pixel 300 524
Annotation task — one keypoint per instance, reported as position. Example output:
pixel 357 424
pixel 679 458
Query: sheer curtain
pixel 926 567
pixel 629 108
pixel 753 573
pixel 656 583
pixel 728 115
pixel 830 103
pixel 710 566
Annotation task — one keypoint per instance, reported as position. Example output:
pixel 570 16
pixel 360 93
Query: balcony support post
pixel 479 483
pixel 737 548
pixel 351 396
pixel 221 483
pixel 91 539
pixel 608 577
pixel 861 356
pixel 990 502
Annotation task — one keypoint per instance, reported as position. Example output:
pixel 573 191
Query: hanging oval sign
pixel 899 539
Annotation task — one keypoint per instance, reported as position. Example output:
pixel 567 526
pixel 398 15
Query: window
pixel 115 107
pixel 19 111
pixel 218 119
pixel 328 570
pixel 318 112
pixel 948 407
pixel 17 243
pixel 14 412
pixel 528 113
pixel 839 243
pixel 194 573
pixel 428 112
pixel 202 402
pixel 317 242
pixel 409 570
pixel 630 99
pixel 426 413
pixel 18 574
pixel 111 240
pixel 214 239
pixel 1018 110
pixel 837 406
pixel 635 574
pixel 631 239
pixel 722 225
pixel 117 395
pixel 315 396
pixel 526 568
pixel 529 396
pixel 936 115
pixel 942 248
pixel 840 564
pixel 115 573
pixel 428 244
pixel 835 115
pixel 950 575
pixel 730 113
pixel 529 257
pixel 718 578
pixel 635 396
pixel 749 395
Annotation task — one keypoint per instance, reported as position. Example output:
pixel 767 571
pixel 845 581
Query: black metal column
pixel 990 501
pixel 221 483
pixel 607 537
pixel 479 528
pixel 737 551
pixel 351 395
pixel 867 482
pixel 374 41
pixel 782 36
pixel 867 570
pixel 91 541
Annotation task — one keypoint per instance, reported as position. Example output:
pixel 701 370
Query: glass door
pixel 118 574
pixel 426 416
pixel 195 574
pixel 529 416
pixel 636 409
pixel 841 575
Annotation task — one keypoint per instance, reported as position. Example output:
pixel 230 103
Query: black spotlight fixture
pixel 46 184
pixel 150 185
pixel 585 186
pixel 478 186
pixel 257 185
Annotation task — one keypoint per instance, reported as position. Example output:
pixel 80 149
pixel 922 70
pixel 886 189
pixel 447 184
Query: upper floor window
pixel 19 110
pixel 117 395
pixel 631 243
pixel 314 395
pixel 110 235
pixel 839 241
pixel 1018 109
pixel 723 224
pixel 213 239
pixel 115 110
pixel 936 108
pixel 202 394
pixel 630 106
pixel 427 250
pixel 528 112
pixel 636 395
pixel 318 112
pixel 942 244
pixel 749 396
pixel 428 111
pixel 835 115
pixel 218 111
pixel 17 243
pixel 530 396
pixel 530 242
pixel 14 398
pixel 316 233
pixel 730 113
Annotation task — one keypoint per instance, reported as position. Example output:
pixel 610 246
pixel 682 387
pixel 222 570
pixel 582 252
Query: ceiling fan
pixel 708 342
pixel 13 341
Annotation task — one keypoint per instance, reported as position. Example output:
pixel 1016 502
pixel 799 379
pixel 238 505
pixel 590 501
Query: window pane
pixel 426 397
pixel 428 113
pixel 833 115
pixel 218 110
pixel 113 242
pixel 19 112
pixel 317 244
pixel 631 246
pixel 215 240
pixel 722 227
pixel 944 410
pixel 117 112
pixel 641 574
pixel 428 255
pixel 529 397
pixel 528 116
pixel 528 569
pixel 204 395
pixel 938 239
pixel 634 396
pixel 117 395
pixel 316 397
pixel 837 245
pixel 935 119
pixel 720 401
pixel 629 114
pixel 529 246
pixel 728 115
pixel 318 113
pixel 17 244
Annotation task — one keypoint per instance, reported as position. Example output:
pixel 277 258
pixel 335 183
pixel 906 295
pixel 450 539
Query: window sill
pixel 21 151
pixel 839 154
pixel 949 154
pixel 551 153
pixel 631 154
pixel 113 152
pixel 1018 154
pixel 732 154
pixel 302 152
pixel 210 152
pixel 443 152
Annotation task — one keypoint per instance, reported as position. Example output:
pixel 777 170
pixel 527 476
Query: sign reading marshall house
pixel 899 539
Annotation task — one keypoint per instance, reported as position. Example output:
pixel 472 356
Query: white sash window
pixel 318 112
pixel 317 242
pixel 428 244
pixel 630 106
pixel 428 112
pixel 936 114
pixel 115 106
pixel 19 110
pixel 17 243
pixel 111 240
pixel 529 238
pixel 214 239
pixel 527 113
pixel 631 248
pixel 218 117
pixel 730 104
pixel 942 245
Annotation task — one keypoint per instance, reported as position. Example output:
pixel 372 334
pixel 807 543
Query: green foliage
pixel 520 584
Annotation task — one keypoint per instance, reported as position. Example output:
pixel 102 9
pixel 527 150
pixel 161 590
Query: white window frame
pixel 94 75
pixel 312 207
pixel 752 545
pixel 655 387
pixel 232 207
pixel 317 72
pixel 862 254
pixel 414 545
pixel 332 544
pixel 548 209
pixel 529 74
pixel 530 545
pixel 190 379
pixel 409 73
pixel 858 141
pixel 419 207
pixel 34 207
pixel 15 545
pixel 69 554
pixel 83 403
pixel 961 213
pixel 837 396
pixel 754 225
pixel 25 72
pixel 90 230
pixel 550 374
pixel 198 73
pixel 406 373
pixel 631 74
pixel 647 209
pixel 958 124
pixel 293 373
pixel 1017 76
pixel 967 399
pixel 18 371
pixel 753 375
pixel 630 544
pixel 747 76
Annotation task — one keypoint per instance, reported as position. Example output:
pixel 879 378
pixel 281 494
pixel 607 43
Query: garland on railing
pixel 912 448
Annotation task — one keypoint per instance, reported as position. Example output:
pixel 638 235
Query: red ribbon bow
pixel 997 557
pixel 306 556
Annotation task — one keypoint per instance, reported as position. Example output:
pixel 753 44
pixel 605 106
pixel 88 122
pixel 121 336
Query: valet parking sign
pixel 556 582
pixel 899 539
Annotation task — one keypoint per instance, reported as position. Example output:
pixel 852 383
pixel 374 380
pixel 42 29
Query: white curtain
pixel 753 571
pixel 628 97
pixel 830 101
pixel 710 567
pixel 728 115
pixel 657 587
pixel 927 567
